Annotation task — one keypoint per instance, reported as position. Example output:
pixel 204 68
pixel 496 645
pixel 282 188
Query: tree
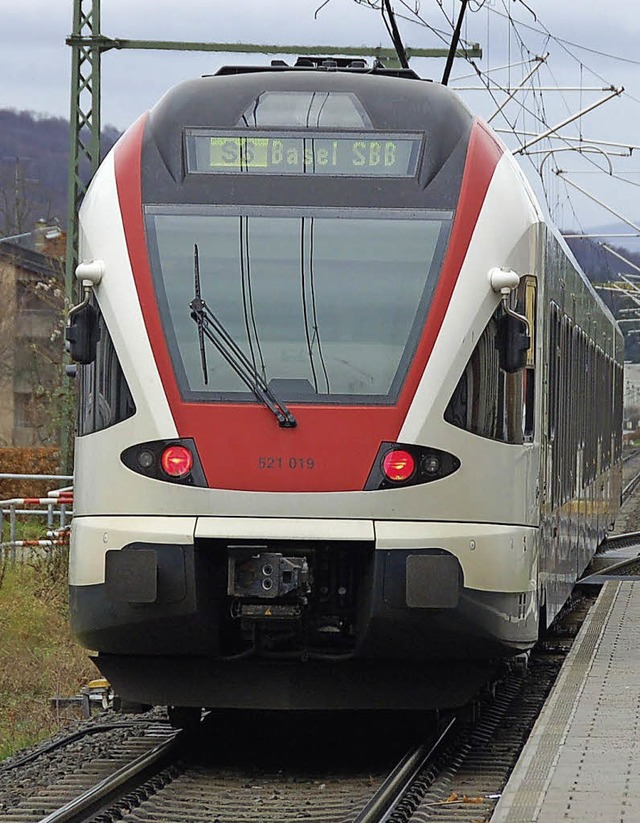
pixel 22 199
pixel 34 404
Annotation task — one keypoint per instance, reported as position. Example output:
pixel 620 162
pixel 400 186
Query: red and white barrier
pixel 58 502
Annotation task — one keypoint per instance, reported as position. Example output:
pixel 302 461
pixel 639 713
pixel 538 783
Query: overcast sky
pixel 35 67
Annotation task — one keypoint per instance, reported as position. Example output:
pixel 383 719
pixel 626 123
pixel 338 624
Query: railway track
pixel 624 541
pixel 456 768
pixel 140 768
pixel 131 777
pixel 236 770
pixel 255 770
pixel 77 771
pixel 166 778
pixel 630 473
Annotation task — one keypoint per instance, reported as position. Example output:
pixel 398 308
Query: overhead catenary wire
pixel 528 105
pixel 550 38
pixel 563 41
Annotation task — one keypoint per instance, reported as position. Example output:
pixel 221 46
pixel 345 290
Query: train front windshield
pixel 327 304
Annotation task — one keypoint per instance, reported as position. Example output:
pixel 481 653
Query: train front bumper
pixel 404 590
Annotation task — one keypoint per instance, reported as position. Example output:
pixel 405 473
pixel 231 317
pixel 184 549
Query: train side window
pixel 606 411
pixel 552 393
pixel 616 399
pixel 574 410
pixel 599 375
pixel 553 369
pixel 104 398
pixel 590 428
pixel 583 410
pixel 488 401
pixel 528 288
pixel 561 438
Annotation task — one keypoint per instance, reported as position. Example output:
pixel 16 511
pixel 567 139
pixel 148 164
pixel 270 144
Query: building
pixel 31 335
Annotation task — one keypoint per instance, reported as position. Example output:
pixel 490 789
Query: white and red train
pixel 350 415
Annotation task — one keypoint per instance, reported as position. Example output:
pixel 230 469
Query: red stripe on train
pixel 240 445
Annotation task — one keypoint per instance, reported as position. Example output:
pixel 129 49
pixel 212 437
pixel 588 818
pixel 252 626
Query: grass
pixel 38 657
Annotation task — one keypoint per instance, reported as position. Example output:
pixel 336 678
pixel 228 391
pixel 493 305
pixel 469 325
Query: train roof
pixel 389 99
pixel 327 98
pixel 320 63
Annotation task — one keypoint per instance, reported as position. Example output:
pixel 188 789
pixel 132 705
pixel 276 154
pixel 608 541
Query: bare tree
pixel 31 345
pixel 22 200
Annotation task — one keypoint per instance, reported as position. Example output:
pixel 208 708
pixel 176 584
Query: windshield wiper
pixel 210 326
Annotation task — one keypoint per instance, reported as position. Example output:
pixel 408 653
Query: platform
pixel 582 759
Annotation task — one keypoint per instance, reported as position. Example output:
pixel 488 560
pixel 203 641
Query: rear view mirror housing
pixel 82 334
pixel 512 342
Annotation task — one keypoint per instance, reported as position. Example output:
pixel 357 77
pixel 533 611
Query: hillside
pixel 599 264
pixel 34 152
pixel 602 266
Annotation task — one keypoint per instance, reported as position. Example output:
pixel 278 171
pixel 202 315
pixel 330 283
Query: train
pixel 349 412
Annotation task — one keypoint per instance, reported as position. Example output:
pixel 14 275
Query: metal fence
pixel 55 511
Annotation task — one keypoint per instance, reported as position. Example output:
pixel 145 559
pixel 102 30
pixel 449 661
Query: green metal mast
pixel 84 150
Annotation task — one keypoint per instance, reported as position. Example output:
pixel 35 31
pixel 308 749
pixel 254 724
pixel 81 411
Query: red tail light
pixel 176 461
pixel 398 465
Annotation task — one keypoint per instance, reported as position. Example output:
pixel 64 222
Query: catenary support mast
pixel 84 151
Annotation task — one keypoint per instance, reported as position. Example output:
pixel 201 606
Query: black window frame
pixel 102 386
pixel 444 216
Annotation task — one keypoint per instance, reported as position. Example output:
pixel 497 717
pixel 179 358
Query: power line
pixel 563 41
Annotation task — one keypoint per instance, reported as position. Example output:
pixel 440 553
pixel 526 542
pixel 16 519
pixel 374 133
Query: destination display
pixel 373 154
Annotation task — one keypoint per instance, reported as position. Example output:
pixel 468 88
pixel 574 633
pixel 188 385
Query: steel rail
pixel 619 541
pixel 630 487
pixel 86 802
pixel 392 790
pixel 628 539
pixel 65 741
